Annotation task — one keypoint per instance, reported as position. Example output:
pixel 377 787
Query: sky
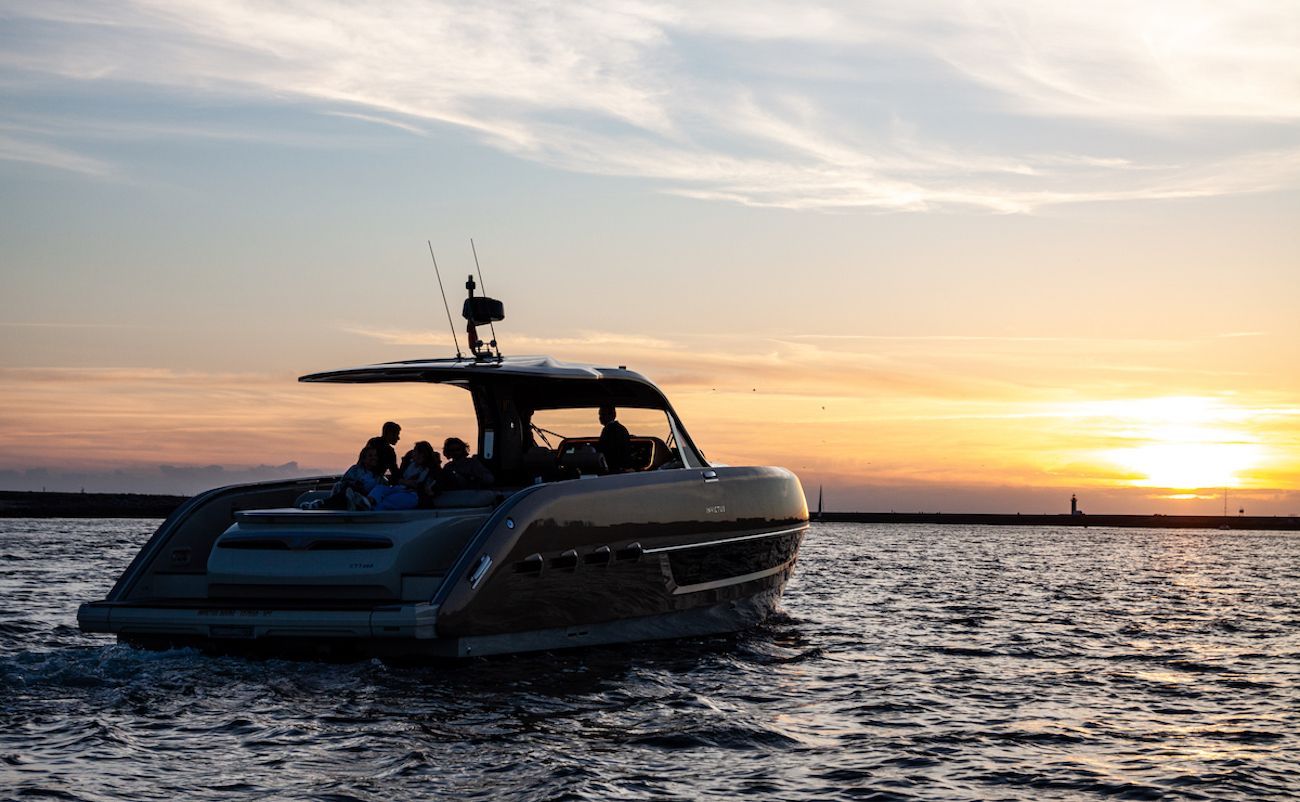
pixel 943 256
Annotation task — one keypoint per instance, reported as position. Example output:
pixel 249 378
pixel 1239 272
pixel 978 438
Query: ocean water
pixel 911 662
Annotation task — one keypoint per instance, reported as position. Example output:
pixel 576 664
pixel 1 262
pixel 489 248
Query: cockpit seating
pixel 644 453
pixel 583 458
pixel 658 452
pixel 539 463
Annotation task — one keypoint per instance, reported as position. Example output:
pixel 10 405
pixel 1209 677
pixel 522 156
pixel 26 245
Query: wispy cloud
pixel 66 325
pixel 47 154
pixel 891 106
pixel 966 377
pixel 378 120
pixel 1138 61
pixel 92 418
pixel 972 338
pixel 517 341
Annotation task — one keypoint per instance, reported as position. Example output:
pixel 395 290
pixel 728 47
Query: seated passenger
pixel 383 445
pixel 351 492
pixel 413 483
pixel 425 467
pixel 615 443
pixel 462 472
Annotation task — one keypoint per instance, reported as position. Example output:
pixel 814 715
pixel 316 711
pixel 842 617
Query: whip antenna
pixel 450 325
pixel 483 284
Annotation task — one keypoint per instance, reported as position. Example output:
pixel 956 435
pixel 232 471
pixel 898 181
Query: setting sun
pixel 1189 466
pixel 1184 443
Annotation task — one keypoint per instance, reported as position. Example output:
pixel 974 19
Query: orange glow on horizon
pixel 833 415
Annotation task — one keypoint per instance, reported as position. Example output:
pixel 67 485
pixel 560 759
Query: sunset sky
pixel 956 256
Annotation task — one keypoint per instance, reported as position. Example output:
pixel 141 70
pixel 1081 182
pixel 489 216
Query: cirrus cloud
pixel 888 106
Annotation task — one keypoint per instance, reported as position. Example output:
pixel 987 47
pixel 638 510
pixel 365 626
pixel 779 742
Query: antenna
pixel 451 325
pixel 483 284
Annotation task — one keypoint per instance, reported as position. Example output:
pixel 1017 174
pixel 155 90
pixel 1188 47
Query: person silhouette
pixel 383 446
pixel 462 472
pixel 615 443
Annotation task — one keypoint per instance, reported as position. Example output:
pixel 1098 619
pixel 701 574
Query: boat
pixel 557 553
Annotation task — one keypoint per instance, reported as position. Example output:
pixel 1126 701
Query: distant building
pixel 1074 505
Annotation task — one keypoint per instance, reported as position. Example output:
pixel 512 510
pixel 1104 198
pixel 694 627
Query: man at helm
pixel 615 442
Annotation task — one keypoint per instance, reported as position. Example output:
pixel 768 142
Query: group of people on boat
pixel 379 482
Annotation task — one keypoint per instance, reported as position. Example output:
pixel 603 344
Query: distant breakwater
pixel 16 504
pixel 1253 522
pixel 19 504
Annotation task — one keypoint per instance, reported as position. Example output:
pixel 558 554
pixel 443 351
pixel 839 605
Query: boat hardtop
pixel 453 370
pixel 514 387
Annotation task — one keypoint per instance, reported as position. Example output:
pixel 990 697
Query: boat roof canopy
pixel 538 382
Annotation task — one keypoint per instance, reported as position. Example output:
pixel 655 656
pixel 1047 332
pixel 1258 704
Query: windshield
pixel 554 425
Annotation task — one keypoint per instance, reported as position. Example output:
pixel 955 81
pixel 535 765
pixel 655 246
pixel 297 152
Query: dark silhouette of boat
pixel 558 553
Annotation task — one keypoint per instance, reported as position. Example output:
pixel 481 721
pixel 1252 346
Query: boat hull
pixel 613 559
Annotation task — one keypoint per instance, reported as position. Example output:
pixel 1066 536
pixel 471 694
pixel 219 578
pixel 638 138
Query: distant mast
pixel 819 502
